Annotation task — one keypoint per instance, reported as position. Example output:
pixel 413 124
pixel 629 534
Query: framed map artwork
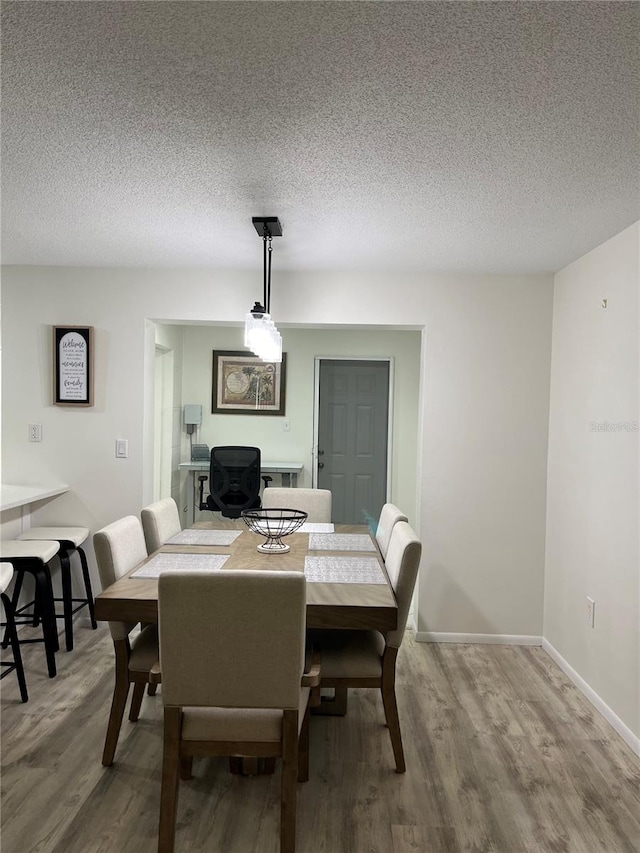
pixel 244 384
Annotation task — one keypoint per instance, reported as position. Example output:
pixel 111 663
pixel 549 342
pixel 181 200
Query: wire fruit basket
pixel 274 523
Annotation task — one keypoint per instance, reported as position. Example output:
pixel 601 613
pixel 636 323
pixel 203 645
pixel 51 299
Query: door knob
pixel 321 453
pixel 320 464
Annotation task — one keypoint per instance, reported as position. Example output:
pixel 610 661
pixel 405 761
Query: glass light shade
pixel 262 337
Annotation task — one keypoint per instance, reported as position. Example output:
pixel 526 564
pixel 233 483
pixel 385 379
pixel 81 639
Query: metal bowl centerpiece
pixel 274 523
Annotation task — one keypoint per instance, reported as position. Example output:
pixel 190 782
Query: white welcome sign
pixel 73 359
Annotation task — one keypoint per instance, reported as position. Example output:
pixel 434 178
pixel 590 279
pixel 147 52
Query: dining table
pixel 347 585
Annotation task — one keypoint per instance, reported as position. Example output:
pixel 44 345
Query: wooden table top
pixel 329 605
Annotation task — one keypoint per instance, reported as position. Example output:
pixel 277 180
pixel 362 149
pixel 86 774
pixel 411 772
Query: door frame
pixel 316 410
pixel 163 422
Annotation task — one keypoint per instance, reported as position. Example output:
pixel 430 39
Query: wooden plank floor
pixel 503 754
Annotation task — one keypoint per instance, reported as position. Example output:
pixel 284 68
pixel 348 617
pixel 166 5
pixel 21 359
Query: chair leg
pixel 44 598
pixel 67 597
pixel 151 690
pixel 17 587
pixel 43 610
pixel 186 767
pixel 170 779
pixel 119 701
pixel 303 748
pixel 388 690
pixel 136 700
pixel 288 782
pixel 15 647
pixel 87 587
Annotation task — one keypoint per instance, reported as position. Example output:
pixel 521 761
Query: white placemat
pixel 190 562
pixel 343 570
pixel 315 527
pixel 204 537
pixel 341 542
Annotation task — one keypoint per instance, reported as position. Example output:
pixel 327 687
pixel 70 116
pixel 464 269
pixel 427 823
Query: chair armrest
pixel 155 674
pixel 311 678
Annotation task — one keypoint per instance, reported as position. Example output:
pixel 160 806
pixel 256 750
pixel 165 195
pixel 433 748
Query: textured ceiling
pixel 490 137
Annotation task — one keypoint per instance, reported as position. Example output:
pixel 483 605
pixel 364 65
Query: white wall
pixel 593 508
pixel 483 408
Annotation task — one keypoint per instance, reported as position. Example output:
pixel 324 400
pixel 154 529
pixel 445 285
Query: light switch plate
pixel 122 448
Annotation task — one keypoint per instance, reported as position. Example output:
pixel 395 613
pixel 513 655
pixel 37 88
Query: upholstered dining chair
pixel 367 658
pixel 315 502
pixel 240 691
pixel 160 521
pixel 389 515
pixel 119 546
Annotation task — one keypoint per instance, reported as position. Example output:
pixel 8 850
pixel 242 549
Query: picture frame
pixel 72 365
pixel 243 384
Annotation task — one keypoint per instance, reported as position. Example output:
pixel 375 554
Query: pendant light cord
pixel 266 270
pixel 268 305
pixel 265 301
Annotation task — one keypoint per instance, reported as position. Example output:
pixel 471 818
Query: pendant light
pixel 260 333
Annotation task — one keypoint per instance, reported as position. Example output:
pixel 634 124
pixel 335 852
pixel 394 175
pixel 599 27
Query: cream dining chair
pixel 160 521
pixel 367 658
pixel 315 502
pixel 389 515
pixel 119 546
pixel 239 690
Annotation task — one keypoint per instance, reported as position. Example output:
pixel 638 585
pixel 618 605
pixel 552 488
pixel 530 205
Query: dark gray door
pixel 353 417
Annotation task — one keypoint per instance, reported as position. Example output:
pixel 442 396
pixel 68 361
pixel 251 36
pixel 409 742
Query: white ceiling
pixel 438 136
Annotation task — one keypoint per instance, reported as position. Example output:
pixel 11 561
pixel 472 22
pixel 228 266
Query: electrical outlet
pixel 122 448
pixel 35 432
pixel 591 612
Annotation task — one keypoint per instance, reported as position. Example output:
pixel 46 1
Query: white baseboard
pixel 493 639
pixel 614 721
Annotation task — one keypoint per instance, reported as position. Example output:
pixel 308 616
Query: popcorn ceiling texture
pixel 479 137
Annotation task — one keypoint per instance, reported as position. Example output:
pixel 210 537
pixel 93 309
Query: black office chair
pixel 234 481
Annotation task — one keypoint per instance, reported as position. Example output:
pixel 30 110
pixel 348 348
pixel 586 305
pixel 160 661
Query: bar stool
pixel 69 539
pixel 33 558
pixel 6 574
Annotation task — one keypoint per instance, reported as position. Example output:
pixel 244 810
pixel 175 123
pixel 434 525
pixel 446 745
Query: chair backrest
pixel 119 546
pixel 232 639
pixel 402 563
pixel 234 480
pixel 315 502
pixel 389 515
pixel 160 521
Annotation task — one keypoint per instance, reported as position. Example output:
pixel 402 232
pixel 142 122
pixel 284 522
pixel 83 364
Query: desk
pixel 288 470
pixel 329 605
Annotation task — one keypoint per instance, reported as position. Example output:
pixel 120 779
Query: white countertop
pixel 12 496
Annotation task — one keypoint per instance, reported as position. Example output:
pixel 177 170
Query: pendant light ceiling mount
pixel 260 333
pixel 267 225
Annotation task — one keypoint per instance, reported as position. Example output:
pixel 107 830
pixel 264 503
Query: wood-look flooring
pixel 503 754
